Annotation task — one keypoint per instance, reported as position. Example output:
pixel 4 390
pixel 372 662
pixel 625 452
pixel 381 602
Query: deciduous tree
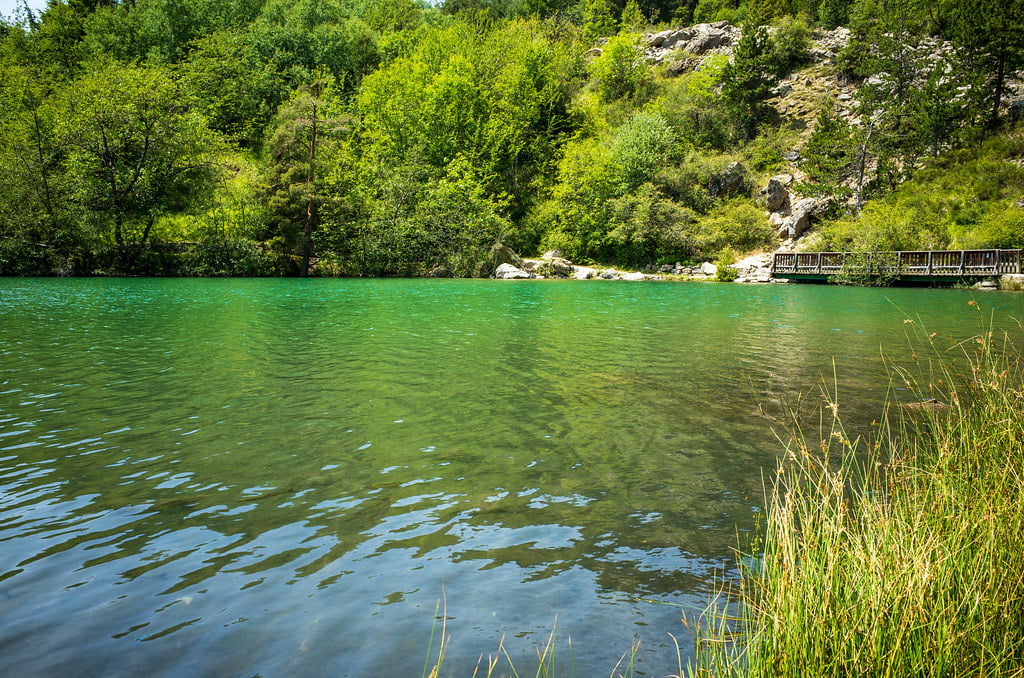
pixel 133 149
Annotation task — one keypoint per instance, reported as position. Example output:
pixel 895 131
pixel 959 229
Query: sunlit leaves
pixel 134 149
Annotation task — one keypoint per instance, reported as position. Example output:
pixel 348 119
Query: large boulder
pixel 584 273
pixel 499 254
pixel 555 267
pixel 510 272
pixel 683 65
pixel 731 181
pixel 670 38
pixel 708 38
pixel 776 196
pixel 799 221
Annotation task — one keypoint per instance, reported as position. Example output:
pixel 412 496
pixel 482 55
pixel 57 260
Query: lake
pixel 289 477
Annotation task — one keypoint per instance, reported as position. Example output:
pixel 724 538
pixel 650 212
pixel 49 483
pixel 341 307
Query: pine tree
pixel 748 78
pixel 632 18
pixel 762 12
pixel 829 152
pixel 597 19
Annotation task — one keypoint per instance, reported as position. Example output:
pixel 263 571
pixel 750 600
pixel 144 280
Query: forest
pixel 401 138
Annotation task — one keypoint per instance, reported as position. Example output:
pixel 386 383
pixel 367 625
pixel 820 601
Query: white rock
pixel 510 272
pixel 584 273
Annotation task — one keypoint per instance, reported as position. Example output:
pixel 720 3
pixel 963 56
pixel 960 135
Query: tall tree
pixel 991 33
pixel 748 78
pixel 305 125
pixel 134 150
pixel 35 233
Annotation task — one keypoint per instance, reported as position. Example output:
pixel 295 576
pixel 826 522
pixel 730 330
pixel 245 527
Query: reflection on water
pixel 284 477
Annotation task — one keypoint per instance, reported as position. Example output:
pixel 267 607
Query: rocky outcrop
pixel 799 221
pixel 555 267
pixel 695 41
pixel 756 268
pixel 510 272
pixel 731 181
pixel 790 215
pixel 827 44
pixel 776 195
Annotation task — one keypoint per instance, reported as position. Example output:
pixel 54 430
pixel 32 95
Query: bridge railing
pixel 926 263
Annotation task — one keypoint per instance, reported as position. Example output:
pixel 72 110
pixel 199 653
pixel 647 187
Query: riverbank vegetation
pixel 895 553
pixel 346 137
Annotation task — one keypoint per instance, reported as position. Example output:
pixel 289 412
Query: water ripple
pixel 283 477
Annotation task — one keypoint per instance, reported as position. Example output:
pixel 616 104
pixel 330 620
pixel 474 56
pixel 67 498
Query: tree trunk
pixel 311 207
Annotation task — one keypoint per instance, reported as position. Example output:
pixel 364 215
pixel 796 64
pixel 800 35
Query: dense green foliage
pixel 392 137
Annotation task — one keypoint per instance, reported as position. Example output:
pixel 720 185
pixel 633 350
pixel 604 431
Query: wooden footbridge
pixel 918 266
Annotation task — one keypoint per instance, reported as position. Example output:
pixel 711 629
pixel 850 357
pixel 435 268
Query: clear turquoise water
pixel 285 477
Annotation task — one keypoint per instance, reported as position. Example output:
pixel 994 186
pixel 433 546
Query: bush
pixel 620 71
pixel 231 258
pixel 640 148
pixel 724 271
pixel 691 105
pixel 737 225
pixel 649 229
pixel 790 45
pixel 1002 228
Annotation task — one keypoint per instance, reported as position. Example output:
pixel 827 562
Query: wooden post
pixel 962 253
pixel 929 262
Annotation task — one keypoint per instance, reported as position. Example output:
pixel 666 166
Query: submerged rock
pixel 929 405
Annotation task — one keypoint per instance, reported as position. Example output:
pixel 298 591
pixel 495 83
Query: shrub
pixel 737 225
pixel 790 45
pixel 640 148
pixel 649 229
pixel 620 71
pixel 724 271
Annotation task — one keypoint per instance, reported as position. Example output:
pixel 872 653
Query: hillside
pixel 345 137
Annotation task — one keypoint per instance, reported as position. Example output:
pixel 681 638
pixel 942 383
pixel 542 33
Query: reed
pixel 552 660
pixel 896 553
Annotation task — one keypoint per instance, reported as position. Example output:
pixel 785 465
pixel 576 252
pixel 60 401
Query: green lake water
pixel 286 477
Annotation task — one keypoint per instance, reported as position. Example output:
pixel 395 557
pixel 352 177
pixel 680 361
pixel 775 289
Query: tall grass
pixel 899 553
